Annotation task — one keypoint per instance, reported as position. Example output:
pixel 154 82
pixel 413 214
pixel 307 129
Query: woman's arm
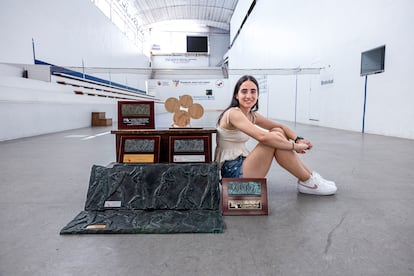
pixel 290 134
pixel 269 125
pixel 271 138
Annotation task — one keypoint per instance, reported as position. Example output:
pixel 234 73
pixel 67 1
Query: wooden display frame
pixel 188 156
pixel 245 200
pixel 165 138
pixel 139 156
pixel 136 121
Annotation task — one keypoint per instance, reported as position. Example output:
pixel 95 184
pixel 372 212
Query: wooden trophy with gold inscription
pixel 244 196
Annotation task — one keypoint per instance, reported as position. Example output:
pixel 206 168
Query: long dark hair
pixel 235 102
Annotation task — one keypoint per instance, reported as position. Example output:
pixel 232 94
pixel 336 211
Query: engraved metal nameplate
pixel 189 158
pixel 112 204
pixel 135 121
pixel 245 204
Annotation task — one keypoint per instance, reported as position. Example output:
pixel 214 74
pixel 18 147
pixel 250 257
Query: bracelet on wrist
pixel 298 138
pixel 293 145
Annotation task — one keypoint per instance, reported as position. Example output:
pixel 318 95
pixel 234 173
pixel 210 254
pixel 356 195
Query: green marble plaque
pixel 248 188
pixel 135 110
pixel 139 145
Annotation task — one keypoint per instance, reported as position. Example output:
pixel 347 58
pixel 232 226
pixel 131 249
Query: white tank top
pixel 231 143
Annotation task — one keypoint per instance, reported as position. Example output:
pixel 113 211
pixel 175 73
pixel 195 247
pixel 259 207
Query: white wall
pixel 219 44
pixel 31 107
pixel 238 16
pixel 332 34
pixel 65 32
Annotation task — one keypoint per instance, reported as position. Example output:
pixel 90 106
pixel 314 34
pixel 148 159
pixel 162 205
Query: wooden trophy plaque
pixel 189 149
pixel 244 196
pixel 136 115
pixel 139 149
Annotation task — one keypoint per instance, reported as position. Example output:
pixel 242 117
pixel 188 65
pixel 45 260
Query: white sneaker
pixel 316 186
pixel 318 176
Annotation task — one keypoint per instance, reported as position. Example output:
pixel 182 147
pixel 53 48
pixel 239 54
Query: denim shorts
pixel 233 168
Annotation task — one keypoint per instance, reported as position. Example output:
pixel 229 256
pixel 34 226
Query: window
pixel 119 13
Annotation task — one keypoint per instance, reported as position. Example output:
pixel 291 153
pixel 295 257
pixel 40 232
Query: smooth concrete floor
pixel 367 228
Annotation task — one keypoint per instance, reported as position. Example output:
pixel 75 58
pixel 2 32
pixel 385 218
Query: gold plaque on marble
pixel 97 226
pixel 244 196
pixel 138 158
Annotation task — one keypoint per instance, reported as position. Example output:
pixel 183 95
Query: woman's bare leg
pixel 258 162
pixel 290 161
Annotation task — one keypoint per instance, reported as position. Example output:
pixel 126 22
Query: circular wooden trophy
pixel 184 110
pixel 196 111
pixel 181 118
pixel 172 105
pixel 186 101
